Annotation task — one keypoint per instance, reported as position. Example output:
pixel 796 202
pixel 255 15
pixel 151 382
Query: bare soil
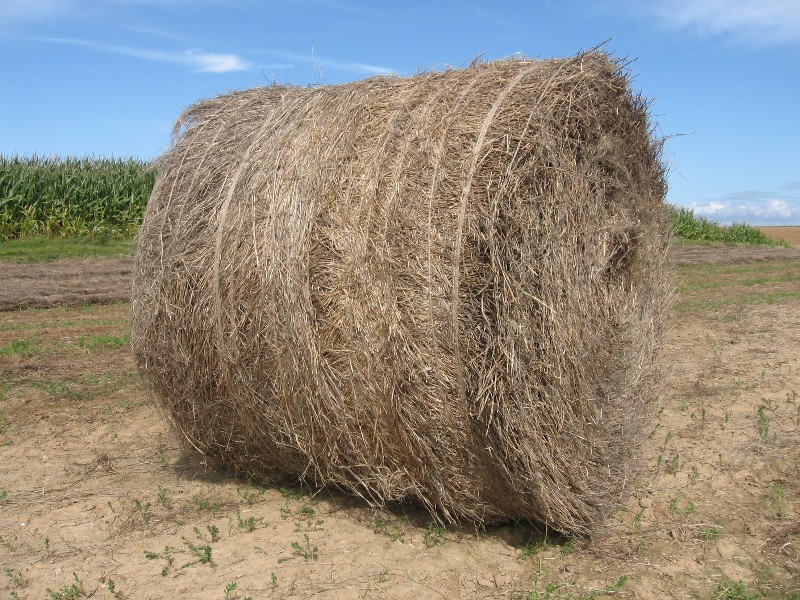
pixel 95 489
pixel 789 234
pixel 64 282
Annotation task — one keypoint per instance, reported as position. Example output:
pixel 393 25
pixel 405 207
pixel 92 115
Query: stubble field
pixel 97 498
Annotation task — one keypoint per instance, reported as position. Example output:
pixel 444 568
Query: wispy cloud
pixel 197 60
pixel 753 207
pixel 347 7
pixel 13 10
pixel 338 65
pixel 752 21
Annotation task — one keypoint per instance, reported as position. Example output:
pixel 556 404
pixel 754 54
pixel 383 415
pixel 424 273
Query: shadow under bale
pixel 448 288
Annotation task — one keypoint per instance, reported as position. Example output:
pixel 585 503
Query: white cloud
pixel 754 21
pixel 754 208
pixel 338 65
pixel 198 60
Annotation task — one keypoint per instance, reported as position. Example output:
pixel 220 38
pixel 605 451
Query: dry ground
pixel 790 234
pixel 94 489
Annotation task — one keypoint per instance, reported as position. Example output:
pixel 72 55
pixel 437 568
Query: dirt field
pixel 96 495
pixel 789 234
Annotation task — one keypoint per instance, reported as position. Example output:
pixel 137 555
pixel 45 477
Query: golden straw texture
pixel 448 288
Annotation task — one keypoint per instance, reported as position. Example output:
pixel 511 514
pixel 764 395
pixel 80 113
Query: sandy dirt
pixel 788 234
pixel 96 493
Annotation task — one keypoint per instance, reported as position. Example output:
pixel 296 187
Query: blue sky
pixel 108 77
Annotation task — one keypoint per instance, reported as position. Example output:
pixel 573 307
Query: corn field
pixel 72 196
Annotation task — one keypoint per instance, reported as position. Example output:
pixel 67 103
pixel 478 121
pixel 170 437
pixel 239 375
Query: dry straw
pixel 448 288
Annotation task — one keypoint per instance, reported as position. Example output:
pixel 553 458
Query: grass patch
pixel 104 341
pixel 18 348
pixel 712 306
pixel 46 248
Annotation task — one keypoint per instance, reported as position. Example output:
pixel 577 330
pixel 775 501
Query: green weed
pixel 163 498
pixel 73 591
pixel 144 510
pixel 675 507
pixel 434 534
pixel 249 494
pixel 112 589
pixel 204 504
pixel 709 534
pixel 166 555
pixel 201 553
pixel 674 464
pixel 306 550
pixel 777 502
pixel 733 590
pixel 17 580
pixel 249 524
pixel 763 424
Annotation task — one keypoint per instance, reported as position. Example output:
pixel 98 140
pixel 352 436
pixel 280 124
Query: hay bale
pixel 448 288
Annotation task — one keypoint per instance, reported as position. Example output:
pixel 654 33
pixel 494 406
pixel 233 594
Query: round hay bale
pixel 448 288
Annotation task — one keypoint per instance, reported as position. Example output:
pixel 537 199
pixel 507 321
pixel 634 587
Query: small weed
pixel 249 524
pixel 202 554
pixel 112 589
pixel 144 510
pixel 434 534
pixel 285 510
pixel 763 424
pixel 381 577
pixel 394 528
pixel 307 511
pixel 161 455
pixel 659 462
pixel 710 534
pixel 250 495
pixel 726 419
pixel 274 580
pixel 163 499
pixel 730 590
pixel 47 544
pixel 3 497
pixel 213 531
pixel 637 519
pixel 569 546
pixel 230 588
pixel 674 464
pixel 295 493
pixel 166 555
pixel 201 504
pixel 17 579
pixel 694 474
pixel 307 551
pixel 675 508
pixel 777 502
pixel 74 591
